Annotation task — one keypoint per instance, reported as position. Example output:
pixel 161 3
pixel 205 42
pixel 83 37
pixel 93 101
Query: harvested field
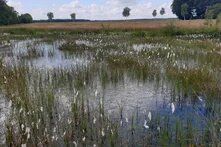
pixel 122 25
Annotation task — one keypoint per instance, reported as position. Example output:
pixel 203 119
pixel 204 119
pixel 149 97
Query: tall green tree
pixel 50 16
pixel 73 16
pixel 213 11
pixel 184 10
pixel 162 11
pixel 7 14
pixel 154 13
pixel 25 18
pixel 126 12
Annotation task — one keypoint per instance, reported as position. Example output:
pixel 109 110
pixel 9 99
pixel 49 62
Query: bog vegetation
pixel 110 88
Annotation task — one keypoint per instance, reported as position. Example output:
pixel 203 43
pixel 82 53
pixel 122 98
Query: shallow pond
pixel 142 88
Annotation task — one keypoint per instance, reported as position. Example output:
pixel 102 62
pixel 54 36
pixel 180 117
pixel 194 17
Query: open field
pixel 122 25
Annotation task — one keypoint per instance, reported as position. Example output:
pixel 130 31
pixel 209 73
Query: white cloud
pixel 122 2
pixel 112 9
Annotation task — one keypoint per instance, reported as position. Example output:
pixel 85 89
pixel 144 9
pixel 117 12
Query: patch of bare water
pixel 42 55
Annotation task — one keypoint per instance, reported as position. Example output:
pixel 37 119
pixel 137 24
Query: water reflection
pixel 42 55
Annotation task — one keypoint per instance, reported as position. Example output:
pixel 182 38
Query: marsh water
pixel 145 87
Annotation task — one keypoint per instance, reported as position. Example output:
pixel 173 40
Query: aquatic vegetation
pixel 111 89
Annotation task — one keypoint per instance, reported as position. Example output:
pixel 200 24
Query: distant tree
pixel 162 11
pixel 126 12
pixel 199 6
pixel 154 13
pixel 50 16
pixel 25 18
pixel 213 11
pixel 73 16
pixel 184 10
pixel 7 14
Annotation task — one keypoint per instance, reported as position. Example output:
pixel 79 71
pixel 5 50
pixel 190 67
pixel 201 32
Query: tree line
pixel 8 15
pixel 196 9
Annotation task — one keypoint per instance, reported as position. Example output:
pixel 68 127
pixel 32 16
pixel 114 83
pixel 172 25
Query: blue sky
pixel 91 9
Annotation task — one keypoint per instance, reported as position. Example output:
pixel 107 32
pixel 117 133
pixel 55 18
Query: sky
pixel 91 9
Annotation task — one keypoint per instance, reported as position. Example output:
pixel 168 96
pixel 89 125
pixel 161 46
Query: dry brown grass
pixel 135 24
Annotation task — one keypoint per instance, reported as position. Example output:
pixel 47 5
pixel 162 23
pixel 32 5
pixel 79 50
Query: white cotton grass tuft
pixel 158 128
pixel 23 145
pixel 41 109
pixel 59 117
pixel 96 93
pixel 83 139
pixel 64 134
pixel 94 120
pixel 150 116
pixel 76 94
pixel 28 136
pixel 102 133
pixel 101 101
pixel 27 130
pixel 46 130
pixel 69 121
pixel 200 98
pixel 21 109
pixel 173 108
pixel 54 130
pixel 52 138
pixel 22 126
pixel 10 103
pixel 121 122
pixel 75 143
pixel 126 119
pixel 56 138
pixel 112 132
pixel 145 125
